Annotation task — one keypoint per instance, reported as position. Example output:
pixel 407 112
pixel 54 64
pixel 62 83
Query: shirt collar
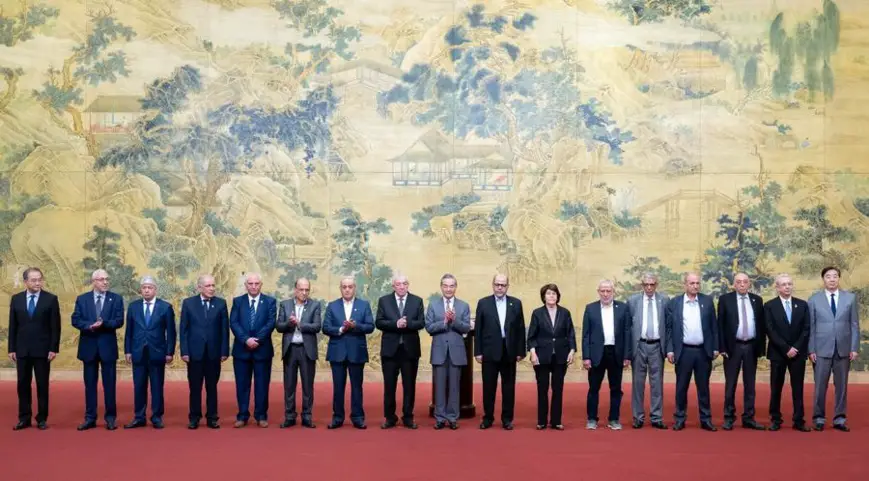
pixel 687 300
pixel 351 301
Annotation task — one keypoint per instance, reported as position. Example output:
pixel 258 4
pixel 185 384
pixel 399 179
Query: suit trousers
pixel 91 371
pixel 29 367
pixel 147 371
pixel 648 361
pixel 297 364
pixel 693 362
pixel 207 371
pixel 260 371
pixel 612 368
pixel 506 368
pixel 340 371
pixel 549 374
pixel 408 366
pixel 777 371
pixel 447 377
pixel 840 367
pixel 743 356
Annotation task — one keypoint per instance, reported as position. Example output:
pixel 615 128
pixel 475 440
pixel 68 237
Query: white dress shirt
pixel 829 299
pixel 297 333
pixel 608 320
pixel 255 301
pixel 145 302
pixel 501 306
pixel 654 314
pixel 35 296
pixel 749 312
pixel 692 328
pixel 348 312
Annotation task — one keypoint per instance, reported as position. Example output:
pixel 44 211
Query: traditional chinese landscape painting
pixel 557 141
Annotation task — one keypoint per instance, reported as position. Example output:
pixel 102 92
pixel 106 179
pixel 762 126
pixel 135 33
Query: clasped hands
pixel 449 317
pixel 401 323
pixel 348 324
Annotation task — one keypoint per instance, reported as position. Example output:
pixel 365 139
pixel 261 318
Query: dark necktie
pixel 252 313
pixel 207 305
pixel 31 306
pixel 401 307
pixel 147 313
pixel 99 305
pixel 833 303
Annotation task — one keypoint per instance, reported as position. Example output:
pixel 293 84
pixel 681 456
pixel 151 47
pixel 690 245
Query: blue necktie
pixel 833 303
pixel 147 313
pixel 788 310
pixel 31 306
pixel 252 314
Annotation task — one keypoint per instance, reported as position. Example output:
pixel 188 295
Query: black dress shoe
pixel 508 426
pixel 158 424
pixel 777 426
pixel 193 425
pixel 454 425
pixel 752 424
pixel 135 424
pixel 40 425
pixel 819 427
pixel 334 425
pixel 21 425
pixel 679 426
pixel 841 427
pixel 659 425
pixel 387 425
pixel 707 426
pixel 288 423
pixel 307 423
pixel 410 425
pixel 111 426
pixel 485 425
pixel 439 425
pixel 800 427
pixel 558 427
pixel 86 425
pixel 637 425
pixel 727 426
pixel 360 426
pixel 541 427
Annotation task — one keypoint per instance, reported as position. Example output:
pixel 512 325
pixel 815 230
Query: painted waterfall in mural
pixel 554 140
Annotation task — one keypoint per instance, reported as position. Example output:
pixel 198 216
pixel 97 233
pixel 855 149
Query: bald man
pixel 742 343
pixel 252 320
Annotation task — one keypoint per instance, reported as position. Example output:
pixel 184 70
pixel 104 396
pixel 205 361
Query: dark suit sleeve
pixel 520 335
pixel 13 328
pixel 54 325
pixel 810 306
pixel 668 327
pixel 282 325
pixel 417 321
pixel 183 327
pixel 128 333
pixel 571 331
pixel 312 327
pixel 804 336
pixel 224 326
pixel 266 331
pixel 716 328
pixel 116 320
pixel 774 338
pixel 235 323
pixel 720 326
pixel 479 319
pixel 382 322
pixel 760 327
pixel 366 324
pixel 170 332
pixel 78 320
pixel 532 331
pixel 628 333
pixel 331 326
pixel 586 335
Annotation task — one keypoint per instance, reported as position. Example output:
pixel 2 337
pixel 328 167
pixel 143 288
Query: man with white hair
pixel 252 320
pixel 606 351
pixel 98 314
pixel 648 337
pixel 149 344
pixel 400 315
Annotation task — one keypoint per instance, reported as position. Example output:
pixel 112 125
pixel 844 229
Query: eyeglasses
pixel 498 284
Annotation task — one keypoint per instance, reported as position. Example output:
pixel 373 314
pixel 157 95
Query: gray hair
pixel 685 276
pixel 250 275
pixel 606 282
pixel 98 273
pixel 148 279
pixel 649 276
pixel 347 278
pixel 296 284
pixel 781 276
pixel 399 277
pixel 200 281
pixel 449 276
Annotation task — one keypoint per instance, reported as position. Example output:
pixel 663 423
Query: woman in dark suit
pixel 552 344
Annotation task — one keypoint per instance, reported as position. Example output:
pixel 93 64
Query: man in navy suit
pixel 252 321
pixel 204 345
pixel 606 349
pixel 149 344
pixel 98 314
pixel 348 320
pixel 692 345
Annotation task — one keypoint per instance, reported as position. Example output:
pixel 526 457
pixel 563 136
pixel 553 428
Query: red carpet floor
pixel 253 453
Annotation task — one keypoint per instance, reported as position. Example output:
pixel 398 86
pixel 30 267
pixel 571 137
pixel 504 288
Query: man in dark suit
pixel 606 349
pixel 742 342
pixel 348 320
pixel 500 343
pixel 787 325
pixel 299 321
pixel 98 314
pixel 204 341
pixel 149 344
pixel 692 344
pixel 34 341
pixel 400 316
pixel 252 320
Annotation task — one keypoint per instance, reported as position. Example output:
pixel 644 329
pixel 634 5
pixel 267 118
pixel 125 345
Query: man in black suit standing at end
pixel 500 343
pixel 787 325
pixel 692 345
pixel 400 316
pixel 34 341
pixel 204 338
pixel 742 343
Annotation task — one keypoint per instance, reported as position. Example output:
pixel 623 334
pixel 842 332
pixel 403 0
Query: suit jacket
pixel 448 341
pixel 728 320
pixel 102 341
pixel 204 335
pixel 592 333
pixel 673 319
pixel 552 342
pixel 487 330
pixel 309 325
pixel 38 335
pixel 351 346
pixel 263 325
pixel 784 335
pixel 636 305
pixel 386 321
pixel 158 336
pixel 829 333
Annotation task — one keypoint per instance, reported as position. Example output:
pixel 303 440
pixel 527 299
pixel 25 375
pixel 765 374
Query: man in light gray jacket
pixel 299 321
pixel 648 334
pixel 834 341
pixel 447 320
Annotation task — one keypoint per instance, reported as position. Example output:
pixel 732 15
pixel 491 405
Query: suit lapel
pixel 554 324
pixel 40 304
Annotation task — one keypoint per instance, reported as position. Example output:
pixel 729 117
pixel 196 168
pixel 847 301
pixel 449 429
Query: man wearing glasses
pixel 648 333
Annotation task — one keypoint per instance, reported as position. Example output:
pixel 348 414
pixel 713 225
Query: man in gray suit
pixel 834 340
pixel 648 331
pixel 299 322
pixel 447 320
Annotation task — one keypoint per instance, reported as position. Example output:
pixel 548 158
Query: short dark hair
pixel 32 269
pixel 550 287
pixel 827 269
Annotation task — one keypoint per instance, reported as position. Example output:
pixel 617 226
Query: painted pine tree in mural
pixel 14 30
pixel 104 252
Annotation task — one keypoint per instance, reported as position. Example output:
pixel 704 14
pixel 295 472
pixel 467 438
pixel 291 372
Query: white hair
pixel 99 273
pixel 149 280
